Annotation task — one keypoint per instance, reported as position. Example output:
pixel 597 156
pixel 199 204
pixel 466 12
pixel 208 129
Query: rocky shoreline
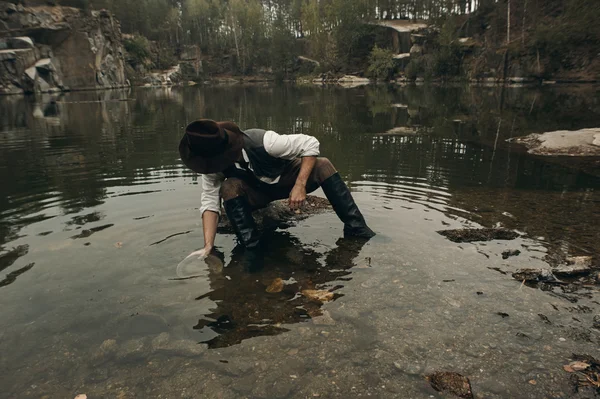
pixel 47 49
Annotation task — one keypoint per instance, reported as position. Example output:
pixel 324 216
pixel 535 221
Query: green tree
pixel 381 64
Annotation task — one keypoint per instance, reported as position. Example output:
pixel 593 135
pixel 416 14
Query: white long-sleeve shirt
pixel 287 147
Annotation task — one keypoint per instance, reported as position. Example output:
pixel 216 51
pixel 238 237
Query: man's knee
pixel 324 169
pixel 232 188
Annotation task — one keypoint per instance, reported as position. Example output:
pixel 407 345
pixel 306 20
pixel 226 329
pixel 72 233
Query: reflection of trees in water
pixel 69 145
pixel 243 307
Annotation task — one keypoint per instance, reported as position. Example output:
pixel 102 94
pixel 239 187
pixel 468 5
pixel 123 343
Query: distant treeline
pixel 246 36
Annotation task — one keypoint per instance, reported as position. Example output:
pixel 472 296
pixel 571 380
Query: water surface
pixel 97 210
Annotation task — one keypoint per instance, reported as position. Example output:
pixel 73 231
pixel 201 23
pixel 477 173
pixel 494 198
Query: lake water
pixel 97 211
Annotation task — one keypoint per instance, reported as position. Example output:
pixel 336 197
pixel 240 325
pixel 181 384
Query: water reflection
pixel 446 147
pixel 245 306
pixel 96 210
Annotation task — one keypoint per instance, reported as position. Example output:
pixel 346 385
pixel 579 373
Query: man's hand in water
pixel 203 253
pixel 297 196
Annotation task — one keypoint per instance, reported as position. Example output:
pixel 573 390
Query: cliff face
pixel 45 49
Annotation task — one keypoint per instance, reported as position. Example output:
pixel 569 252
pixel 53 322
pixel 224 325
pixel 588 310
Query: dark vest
pixel 263 164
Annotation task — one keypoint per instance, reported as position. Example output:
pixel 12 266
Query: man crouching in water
pixel 249 169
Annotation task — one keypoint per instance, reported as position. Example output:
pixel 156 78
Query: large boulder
pixel 584 142
pixel 190 66
pixel 46 49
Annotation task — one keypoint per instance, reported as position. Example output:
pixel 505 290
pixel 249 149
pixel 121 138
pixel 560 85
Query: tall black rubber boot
pixel 239 212
pixel 343 204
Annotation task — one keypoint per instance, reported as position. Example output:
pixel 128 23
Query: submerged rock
pixel 533 275
pixel 107 349
pixel 508 253
pixel 324 319
pixel 133 349
pixel 179 347
pixel 570 270
pixel 575 266
pixel 472 235
pixel 453 383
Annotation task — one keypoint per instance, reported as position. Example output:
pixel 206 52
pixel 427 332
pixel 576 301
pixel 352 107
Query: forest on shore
pixel 472 39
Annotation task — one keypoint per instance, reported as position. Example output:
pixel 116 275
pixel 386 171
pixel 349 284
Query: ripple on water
pixel 110 170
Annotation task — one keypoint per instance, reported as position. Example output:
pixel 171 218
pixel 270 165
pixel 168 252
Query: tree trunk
pixel 523 26
pixel 508 24
pixel 237 48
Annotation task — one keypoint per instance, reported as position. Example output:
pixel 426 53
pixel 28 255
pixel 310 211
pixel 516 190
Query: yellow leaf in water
pixel 118 245
pixel 579 366
pixel 533 382
pixel 568 368
pixel 318 295
pixel 276 286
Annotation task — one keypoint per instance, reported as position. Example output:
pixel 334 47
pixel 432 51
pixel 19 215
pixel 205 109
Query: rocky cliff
pixel 45 49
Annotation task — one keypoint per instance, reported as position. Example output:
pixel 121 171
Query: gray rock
pixel 21 42
pixel 8 8
pixel 16 43
pixel 133 349
pixel 324 319
pixel 105 352
pixel 41 86
pixel 109 346
pixel 409 367
pixel 81 50
pixel 182 347
pixel 161 341
pixel 416 50
pixel 575 266
pixel 190 70
pixel 31 73
pixel 532 275
pixel 584 142
pixel 98 374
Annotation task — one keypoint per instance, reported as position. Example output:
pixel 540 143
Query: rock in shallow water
pixel 509 253
pixel 584 142
pixel 108 347
pixel 180 347
pixel 575 266
pixel 410 368
pixel 472 235
pixel 532 275
pixel 453 383
pixel 133 349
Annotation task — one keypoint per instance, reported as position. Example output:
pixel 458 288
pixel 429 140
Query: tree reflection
pixel 67 151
